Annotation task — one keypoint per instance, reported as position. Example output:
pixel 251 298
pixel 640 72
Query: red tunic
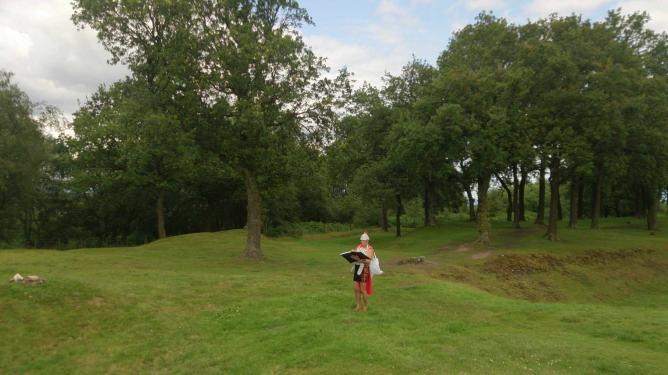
pixel 366 274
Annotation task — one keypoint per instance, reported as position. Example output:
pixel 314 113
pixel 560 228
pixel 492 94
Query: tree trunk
pixel 483 217
pixel 540 214
pixel 581 191
pixel 253 216
pixel 640 207
pixel 573 214
pixel 598 189
pixel 523 183
pixel 516 196
pixel 509 209
pixel 429 219
pixel 554 200
pixel 560 212
pixel 383 217
pixel 160 213
pixel 28 218
pixel 469 195
pixel 400 209
pixel 653 199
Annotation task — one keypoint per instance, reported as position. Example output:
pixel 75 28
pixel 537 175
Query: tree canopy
pixel 228 119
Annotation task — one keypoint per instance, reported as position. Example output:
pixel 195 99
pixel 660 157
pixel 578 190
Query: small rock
pixel 34 279
pixel 28 280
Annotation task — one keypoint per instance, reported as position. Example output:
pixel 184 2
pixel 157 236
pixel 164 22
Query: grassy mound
pixel 594 302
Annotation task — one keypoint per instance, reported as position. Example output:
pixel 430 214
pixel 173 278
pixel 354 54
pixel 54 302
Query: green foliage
pixel 226 120
pixel 298 229
pixel 413 214
pixel 24 151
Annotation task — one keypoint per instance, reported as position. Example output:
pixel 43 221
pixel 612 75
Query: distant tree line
pixel 578 106
pixel 229 120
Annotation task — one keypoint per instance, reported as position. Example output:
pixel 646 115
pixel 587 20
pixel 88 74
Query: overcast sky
pixel 57 64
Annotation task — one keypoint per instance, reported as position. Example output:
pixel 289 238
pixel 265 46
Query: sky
pixel 56 64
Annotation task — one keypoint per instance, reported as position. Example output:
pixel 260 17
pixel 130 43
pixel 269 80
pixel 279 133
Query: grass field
pixel 595 302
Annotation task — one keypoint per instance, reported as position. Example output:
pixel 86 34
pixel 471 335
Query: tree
pixel 509 194
pixel 119 139
pixel 466 181
pixel 479 76
pixel 23 152
pixel 643 103
pixel 265 88
pixel 154 38
pixel 368 150
pixel 416 141
pixel 612 89
pixel 557 51
pixel 540 212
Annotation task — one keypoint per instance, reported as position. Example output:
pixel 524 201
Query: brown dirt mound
pixel 595 257
pixel 412 260
pixel 511 265
pixel 550 278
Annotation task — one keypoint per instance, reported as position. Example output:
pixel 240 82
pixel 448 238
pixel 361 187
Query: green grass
pixel 190 304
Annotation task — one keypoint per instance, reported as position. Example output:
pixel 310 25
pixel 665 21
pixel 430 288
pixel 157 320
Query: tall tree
pixel 540 212
pixel 417 141
pixel 463 173
pixel 612 88
pixel 478 74
pixel 557 54
pixel 642 58
pixel 265 86
pixel 366 151
pixel 117 138
pixel 23 152
pixel 509 194
pixel 154 38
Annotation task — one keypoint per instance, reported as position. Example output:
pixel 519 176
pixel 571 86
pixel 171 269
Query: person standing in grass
pixel 361 273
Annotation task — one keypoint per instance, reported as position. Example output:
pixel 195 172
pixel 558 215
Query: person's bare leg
pixel 357 296
pixel 364 296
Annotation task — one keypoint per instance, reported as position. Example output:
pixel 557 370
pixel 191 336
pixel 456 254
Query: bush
pixel 297 230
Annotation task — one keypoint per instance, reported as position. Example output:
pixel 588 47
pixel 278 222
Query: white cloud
pixel 414 3
pixel 394 14
pixel 14 41
pixel 386 33
pixel 543 8
pixel 367 63
pixel 380 46
pixel 657 9
pixel 52 61
pixel 391 9
pixel 485 4
pixel 394 23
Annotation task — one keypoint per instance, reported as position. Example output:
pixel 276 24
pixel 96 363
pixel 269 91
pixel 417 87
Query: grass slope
pixel 596 302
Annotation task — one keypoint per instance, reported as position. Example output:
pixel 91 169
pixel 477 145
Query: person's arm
pixel 371 253
pixel 355 250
